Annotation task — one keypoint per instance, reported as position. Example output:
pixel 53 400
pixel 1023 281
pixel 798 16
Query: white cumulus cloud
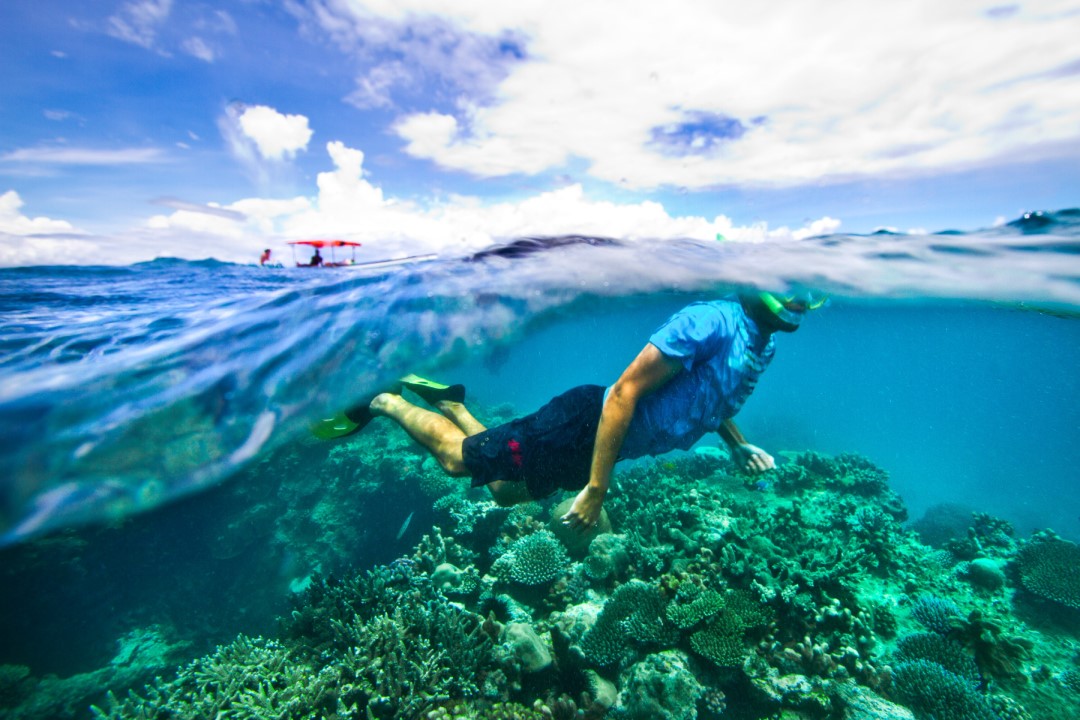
pixel 698 94
pixel 26 240
pixel 348 205
pixel 276 136
pixel 13 222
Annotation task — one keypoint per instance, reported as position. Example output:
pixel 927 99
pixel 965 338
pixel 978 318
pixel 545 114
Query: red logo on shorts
pixel 515 452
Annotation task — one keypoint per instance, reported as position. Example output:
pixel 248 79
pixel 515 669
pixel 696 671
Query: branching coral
pixel 536 559
pixel 934 693
pixel 947 653
pixel 692 605
pixel 247 679
pixel 936 614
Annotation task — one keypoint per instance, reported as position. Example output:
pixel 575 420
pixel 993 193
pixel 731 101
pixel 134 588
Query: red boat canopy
pixel 325 243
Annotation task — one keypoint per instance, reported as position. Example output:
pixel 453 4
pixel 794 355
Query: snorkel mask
pixel 786 312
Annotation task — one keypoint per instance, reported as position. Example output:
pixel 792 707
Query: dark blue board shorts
pixel 549 450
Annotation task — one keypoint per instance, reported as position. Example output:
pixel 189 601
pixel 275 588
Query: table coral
pixel 1050 568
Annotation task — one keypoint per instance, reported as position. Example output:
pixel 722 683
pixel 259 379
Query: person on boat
pixel 692 377
pixel 265 257
pixel 316 259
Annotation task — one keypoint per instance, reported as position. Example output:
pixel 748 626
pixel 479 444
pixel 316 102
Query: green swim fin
pixel 343 424
pixel 432 391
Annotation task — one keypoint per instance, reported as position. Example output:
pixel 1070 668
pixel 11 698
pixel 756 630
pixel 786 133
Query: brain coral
pixel 537 558
pixel 1051 569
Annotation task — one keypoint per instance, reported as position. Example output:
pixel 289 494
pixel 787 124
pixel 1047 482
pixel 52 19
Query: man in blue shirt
pixel 691 378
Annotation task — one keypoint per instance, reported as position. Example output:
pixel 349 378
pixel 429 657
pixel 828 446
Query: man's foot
pixel 432 392
pixel 351 421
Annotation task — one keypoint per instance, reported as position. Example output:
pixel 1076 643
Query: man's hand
pixel 752 459
pixel 586 509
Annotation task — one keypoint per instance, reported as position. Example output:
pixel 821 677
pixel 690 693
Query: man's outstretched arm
pixel 749 457
pixel 650 370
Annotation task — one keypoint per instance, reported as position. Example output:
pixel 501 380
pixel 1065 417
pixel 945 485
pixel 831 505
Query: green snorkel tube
pixel 787 313
pixel 774 305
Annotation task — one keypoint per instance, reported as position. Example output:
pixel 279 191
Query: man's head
pixel 779 312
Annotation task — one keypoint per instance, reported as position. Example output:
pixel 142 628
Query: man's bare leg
pixel 460 416
pixel 438 434
pixel 442 435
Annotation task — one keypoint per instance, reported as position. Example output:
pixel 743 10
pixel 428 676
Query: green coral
pixel 635 612
pixel 722 641
pixel 846 472
pixel 692 606
pixel 365 657
pixel 1050 568
pixel 751 613
pixel 537 558
pixel 249 678
pixel 383 645
pixel 496 711
pixel 437 484
pixel 720 645
pixel 1008 709
pixel 934 693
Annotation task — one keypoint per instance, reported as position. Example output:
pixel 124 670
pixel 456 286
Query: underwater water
pixel 170 527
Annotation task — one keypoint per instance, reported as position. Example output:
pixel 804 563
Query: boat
pixel 318 260
pixel 351 262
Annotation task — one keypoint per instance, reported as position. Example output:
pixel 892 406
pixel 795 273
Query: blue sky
pixel 163 127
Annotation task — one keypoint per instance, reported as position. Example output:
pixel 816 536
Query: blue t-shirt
pixel 723 353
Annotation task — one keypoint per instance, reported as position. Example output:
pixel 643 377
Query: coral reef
pixel 800 597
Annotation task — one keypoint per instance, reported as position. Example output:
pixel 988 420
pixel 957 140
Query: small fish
pixel 405 525
pixel 762 485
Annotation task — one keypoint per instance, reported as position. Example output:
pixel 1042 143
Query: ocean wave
pixel 121 388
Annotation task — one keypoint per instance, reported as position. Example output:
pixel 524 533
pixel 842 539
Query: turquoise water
pixel 159 481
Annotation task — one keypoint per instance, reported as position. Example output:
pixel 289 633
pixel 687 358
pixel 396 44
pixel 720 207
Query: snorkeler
pixel 691 378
